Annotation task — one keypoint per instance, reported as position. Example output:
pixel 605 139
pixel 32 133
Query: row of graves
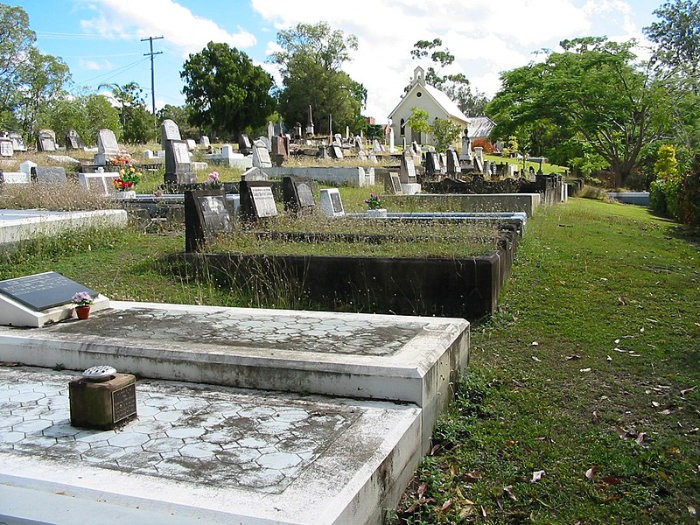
pixel 45 142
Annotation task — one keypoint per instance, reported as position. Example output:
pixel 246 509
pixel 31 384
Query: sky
pixel 102 40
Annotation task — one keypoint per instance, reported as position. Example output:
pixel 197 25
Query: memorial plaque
pixel 331 204
pixel 6 148
pixel 264 201
pixel 124 403
pixel 395 183
pixel 297 193
pixel 43 290
pixel 337 203
pixel 207 215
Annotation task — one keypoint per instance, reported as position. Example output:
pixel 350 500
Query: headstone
pixel 191 144
pixel 257 200
pixel 358 143
pixel 27 167
pixel 169 131
pixel 50 175
pixel 279 150
pixel 107 142
pixel 432 163
pixel 6 147
pixel 408 168
pixel 73 140
pixel 362 155
pixel 322 152
pixel 453 167
pixel 204 141
pixel 443 162
pixel 298 194
pixel 261 155
pixel 466 147
pixel 392 147
pixel 416 148
pixel 478 164
pixel 178 166
pixel 42 291
pixel 14 177
pixel 393 184
pixel 376 147
pixel 336 151
pixel 99 183
pixel 479 153
pixel 255 174
pixel 207 215
pixel 298 133
pixel 244 145
pixel 17 142
pixel 331 204
pixel 270 133
pixel 46 140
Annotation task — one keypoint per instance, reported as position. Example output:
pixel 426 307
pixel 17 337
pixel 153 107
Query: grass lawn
pixel 580 404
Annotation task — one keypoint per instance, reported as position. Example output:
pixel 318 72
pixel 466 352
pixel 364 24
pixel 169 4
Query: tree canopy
pixel 310 59
pixel 226 91
pixel 593 93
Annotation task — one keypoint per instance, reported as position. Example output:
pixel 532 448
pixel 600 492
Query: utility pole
pixel 153 88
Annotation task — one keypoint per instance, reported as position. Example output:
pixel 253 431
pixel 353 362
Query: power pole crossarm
pixel 153 88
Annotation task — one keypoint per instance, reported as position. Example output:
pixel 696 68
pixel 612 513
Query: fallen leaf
pixel 446 505
pixel 641 437
pixel 655 404
pixel 641 330
pixel 483 511
pixel 652 320
pixel 537 359
pixel 453 469
pixel 590 473
pixel 687 390
pixel 611 480
pixel 435 449
pixel 573 357
pixel 691 510
pixel 596 416
pixel 534 343
pixel 603 279
pixel 473 476
pixel 466 511
pixel 666 412
pixel 617 341
pixel 620 350
pixel 421 489
pixel 537 475
pixel 622 300
pixel 608 358
pixel 509 490
pixel 584 369
pixel 693 430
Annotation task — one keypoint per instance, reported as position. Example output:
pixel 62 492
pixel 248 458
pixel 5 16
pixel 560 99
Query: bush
pixel 689 200
pixel 657 197
pixel 484 143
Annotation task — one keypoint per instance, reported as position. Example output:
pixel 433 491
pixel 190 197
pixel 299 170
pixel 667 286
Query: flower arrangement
pixel 374 202
pixel 120 160
pixel 128 178
pixel 214 179
pixel 82 299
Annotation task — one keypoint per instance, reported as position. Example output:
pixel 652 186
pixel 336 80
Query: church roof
pixel 479 127
pixel 446 103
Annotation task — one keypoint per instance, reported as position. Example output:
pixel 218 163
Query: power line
pixel 153 88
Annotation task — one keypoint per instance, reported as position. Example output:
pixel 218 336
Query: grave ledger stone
pixel 49 175
pixel 257 200
pixel 207 215
pixel 43 290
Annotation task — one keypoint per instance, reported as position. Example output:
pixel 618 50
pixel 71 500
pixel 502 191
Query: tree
pixel 445 133
pixel 225 90
pixel 595 90
pixel 418 121
pixel 86 114
pixel 181 115
pixel 136 121
pixel 456 85
pixel 310 59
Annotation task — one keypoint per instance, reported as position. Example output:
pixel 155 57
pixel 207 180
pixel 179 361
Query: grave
pixel 407 174
pixel 453 167
pixel 244 144
pixel 40 299
pixel 432 163
pixel 297 194
pixel 27 166
pixel 207 215
pixel 474 202
pixel 331 204
pixel 392 184
pixel 73 141
pixel 17 142
pixel 191 144
pixel 178 167
pixel 204 141
pixel 261 155
pixel 15 177
pixel 49 175
pixel 168 131
pixel 46 140
pixel 336 152
pixel 280 149
pixel 257 200
pixel 99 183
pixel 352 176
pixel 6 147
pixel 255 174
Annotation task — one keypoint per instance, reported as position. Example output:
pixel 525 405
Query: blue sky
pixel 100 40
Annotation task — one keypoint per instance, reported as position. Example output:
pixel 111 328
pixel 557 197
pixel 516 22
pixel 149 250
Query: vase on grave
pixel 83 312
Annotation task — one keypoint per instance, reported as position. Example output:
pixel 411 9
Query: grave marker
pixel 244 145
pixel 408 168
pixel 336 151
pixel 331 204
pixel 14 177
pixel 50 175
pixel 168 131
pixel 394 184
pixel 204 141
pixel 207 215
pixel 178 167
pixel 297 193
pixel 73 140
pixel 257 200
pixel 6 147
pixel 42 291
pixel 17 142
pixel 261 156
pixel 432 163
pixel 46 140
pixel 453 167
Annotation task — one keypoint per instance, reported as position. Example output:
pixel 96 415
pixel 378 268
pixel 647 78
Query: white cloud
pixel 187 32
pixel 96 65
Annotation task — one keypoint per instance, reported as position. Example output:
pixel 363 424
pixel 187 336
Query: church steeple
pixel 419 76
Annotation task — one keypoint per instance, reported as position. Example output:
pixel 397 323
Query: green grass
pixel 546 167
pixel 547 390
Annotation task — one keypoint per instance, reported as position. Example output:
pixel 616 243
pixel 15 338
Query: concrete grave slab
pixel 370 356
pixel 201 454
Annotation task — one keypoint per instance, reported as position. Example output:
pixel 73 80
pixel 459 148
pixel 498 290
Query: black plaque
pixel 124 403
pixel 43 290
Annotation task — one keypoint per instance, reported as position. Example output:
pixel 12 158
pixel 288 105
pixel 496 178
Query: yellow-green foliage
pixel 666 166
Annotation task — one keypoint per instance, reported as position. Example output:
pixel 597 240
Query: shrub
pixel 657 197
pixel 484 143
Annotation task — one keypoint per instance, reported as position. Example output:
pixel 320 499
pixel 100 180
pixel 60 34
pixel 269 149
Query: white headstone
pixel 261 155
pixel 392 148
pixel 331 205
pixel 107 142
pixel 191 145
pixel 26 167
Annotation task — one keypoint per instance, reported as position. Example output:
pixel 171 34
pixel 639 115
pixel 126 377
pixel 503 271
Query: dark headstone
pixel 50 175
pixel 453 167
pixel 207 214
pixel 297 193
pixel 73 140
pixel 408 168
pixel 336 151
pixel 322 152
pixel 279 150
pixel 43 291
pixel 244 145
pixel 432 163
pixel 257 200
pixel 178 168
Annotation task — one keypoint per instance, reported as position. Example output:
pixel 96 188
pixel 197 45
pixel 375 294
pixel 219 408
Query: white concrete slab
pixel 396 358
pixel 471 202
pixel 201 454
pixel 18 225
